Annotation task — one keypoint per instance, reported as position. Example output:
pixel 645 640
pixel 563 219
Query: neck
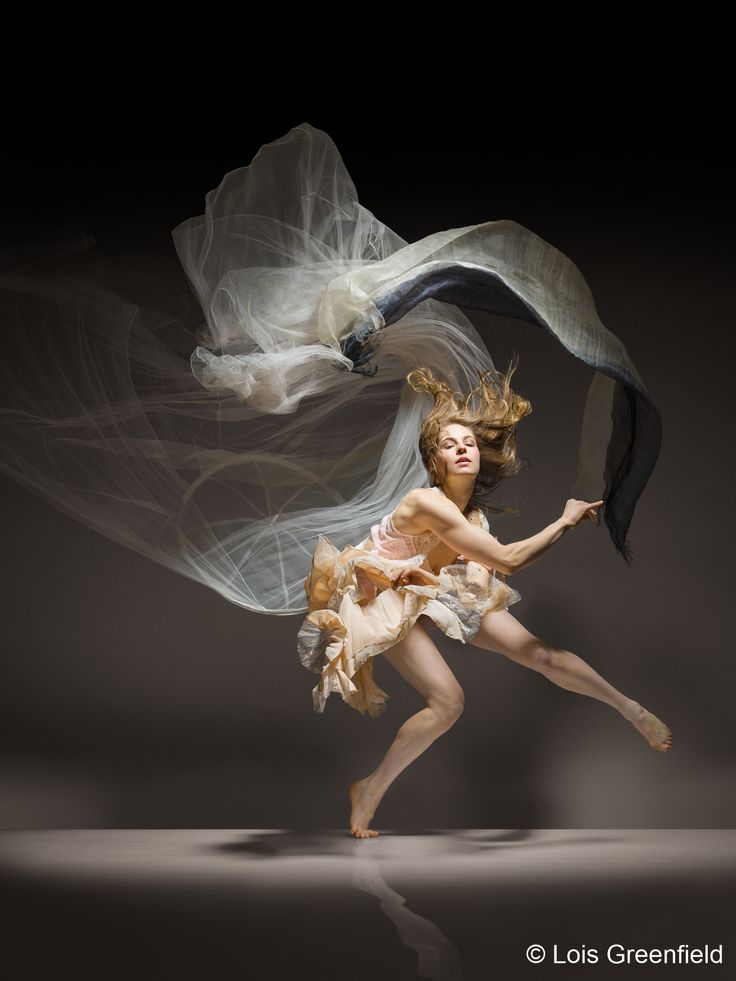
pixel 459 490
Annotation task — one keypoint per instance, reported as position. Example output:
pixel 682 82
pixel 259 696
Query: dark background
pixel 132 697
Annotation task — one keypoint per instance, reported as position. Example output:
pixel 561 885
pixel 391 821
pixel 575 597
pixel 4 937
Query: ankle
pixel 371 788
pixel 631 709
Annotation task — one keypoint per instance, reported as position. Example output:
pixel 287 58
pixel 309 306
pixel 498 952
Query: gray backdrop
pixel 135 698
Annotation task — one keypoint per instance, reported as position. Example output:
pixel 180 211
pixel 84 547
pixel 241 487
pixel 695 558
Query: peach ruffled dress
pixel 358 608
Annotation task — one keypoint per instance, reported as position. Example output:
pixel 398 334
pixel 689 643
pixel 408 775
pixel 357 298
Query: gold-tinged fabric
pixel 361 603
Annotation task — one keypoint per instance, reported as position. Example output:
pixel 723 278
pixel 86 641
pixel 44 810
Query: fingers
pixel 590 511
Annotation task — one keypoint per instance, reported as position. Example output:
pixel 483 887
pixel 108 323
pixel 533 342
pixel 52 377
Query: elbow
pixel 512 562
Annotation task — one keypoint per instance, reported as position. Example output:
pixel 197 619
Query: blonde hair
pixel 493 423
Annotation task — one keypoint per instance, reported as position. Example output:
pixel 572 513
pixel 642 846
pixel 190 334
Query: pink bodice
pixel 393 544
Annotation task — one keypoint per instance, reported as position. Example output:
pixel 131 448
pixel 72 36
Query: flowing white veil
pixel 225 455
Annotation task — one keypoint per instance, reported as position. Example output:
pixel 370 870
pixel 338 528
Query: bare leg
pixel 417 660
pixel 501 632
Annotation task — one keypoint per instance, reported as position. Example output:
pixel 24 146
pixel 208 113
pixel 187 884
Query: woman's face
pixel 457 451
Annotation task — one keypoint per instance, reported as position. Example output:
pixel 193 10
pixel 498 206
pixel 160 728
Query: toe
pixel 365 833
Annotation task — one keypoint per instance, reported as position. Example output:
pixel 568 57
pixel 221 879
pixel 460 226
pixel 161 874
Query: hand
pixel 577 511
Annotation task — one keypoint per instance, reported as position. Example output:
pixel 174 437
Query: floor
pixel 446 904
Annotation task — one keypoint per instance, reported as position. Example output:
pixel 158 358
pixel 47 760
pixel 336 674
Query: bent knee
pixel 539 654
pixel 448 706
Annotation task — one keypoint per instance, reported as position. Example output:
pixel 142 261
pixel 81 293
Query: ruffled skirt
pixel 361 604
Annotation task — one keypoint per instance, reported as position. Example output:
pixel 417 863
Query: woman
pixel 369 599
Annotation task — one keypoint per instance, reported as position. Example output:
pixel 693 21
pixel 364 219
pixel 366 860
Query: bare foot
pixel 656 733
pixel 363 808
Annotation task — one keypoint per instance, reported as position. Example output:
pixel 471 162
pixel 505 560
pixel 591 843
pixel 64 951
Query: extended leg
pixel 501 632
pixel 417 660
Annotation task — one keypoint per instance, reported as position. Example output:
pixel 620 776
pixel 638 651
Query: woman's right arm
pixel 446 520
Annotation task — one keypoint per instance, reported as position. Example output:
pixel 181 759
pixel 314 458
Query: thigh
pixel 502 633
pixel 419 662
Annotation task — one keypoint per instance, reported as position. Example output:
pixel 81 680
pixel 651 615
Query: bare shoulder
pixel 419 506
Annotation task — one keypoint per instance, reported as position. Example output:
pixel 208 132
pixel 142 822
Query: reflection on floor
pixel 450 905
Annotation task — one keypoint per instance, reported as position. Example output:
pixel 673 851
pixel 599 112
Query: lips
pixel 463 459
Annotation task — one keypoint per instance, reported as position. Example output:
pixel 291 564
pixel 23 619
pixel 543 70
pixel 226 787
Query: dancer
pixel 251 453
pixel 433 564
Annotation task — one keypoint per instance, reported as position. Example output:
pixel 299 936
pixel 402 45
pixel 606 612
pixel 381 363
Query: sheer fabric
pixel 225 454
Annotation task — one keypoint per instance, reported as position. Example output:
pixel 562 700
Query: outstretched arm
pixel 446 520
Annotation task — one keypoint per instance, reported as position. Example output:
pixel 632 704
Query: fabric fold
pixel 362 603
pixel 218 414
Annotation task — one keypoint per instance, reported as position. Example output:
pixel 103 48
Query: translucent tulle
pixel 214 423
